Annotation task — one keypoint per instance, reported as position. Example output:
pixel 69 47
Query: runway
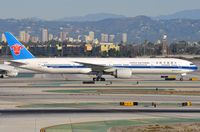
pixel 102 110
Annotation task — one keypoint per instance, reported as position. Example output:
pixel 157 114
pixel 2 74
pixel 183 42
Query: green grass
pixel 67 105
pixel 103 126
pixel 73 91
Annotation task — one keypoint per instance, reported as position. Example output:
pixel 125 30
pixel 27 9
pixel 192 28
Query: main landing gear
pixel 1 76
pixel 99 77
pixel 182 75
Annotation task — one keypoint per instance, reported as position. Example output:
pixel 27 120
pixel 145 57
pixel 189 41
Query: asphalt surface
pixel 22 91
pixel 100 110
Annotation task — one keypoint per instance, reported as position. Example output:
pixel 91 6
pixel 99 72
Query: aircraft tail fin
pixel 17 49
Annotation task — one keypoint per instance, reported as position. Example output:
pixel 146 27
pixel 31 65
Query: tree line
pixel 61 49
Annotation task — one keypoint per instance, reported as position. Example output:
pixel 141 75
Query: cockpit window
pixel 191 64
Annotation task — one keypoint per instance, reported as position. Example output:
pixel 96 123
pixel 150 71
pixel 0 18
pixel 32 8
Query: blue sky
pixel 54 9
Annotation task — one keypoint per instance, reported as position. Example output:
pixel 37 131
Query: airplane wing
pixel 16 63
pixel 95 67
pixel 4 67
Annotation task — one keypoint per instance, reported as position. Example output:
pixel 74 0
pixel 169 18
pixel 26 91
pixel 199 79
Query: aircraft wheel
pixel 94 79
pixel 1 76
pixel 103 79
pixel 98 79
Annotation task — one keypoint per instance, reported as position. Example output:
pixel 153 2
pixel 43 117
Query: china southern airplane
pixel 117 67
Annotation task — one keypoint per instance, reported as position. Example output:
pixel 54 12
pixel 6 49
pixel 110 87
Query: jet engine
pixel 11 73
pixel 122 73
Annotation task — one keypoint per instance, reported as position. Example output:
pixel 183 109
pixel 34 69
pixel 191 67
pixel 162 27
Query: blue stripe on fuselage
pixel 132 67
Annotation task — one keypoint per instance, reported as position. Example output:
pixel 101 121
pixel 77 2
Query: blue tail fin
pixel 17 49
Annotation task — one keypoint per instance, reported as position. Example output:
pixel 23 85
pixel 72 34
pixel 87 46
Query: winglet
pixel 17 49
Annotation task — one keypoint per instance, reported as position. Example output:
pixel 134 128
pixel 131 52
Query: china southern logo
pixel 17 49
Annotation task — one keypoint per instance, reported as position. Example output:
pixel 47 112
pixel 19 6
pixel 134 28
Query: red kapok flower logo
pixel 16 48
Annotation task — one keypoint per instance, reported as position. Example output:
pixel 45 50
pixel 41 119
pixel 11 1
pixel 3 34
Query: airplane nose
pixel 195 68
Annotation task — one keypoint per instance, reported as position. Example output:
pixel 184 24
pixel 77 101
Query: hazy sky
pixel 54 9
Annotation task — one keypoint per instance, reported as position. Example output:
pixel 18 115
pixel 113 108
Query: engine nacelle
pixel 123 73
pixel 12 73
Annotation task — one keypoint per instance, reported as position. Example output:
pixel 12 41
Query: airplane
pixel 118 67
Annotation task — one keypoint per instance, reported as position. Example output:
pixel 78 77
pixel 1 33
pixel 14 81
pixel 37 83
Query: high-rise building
pixel 34 39
pixel 91 36
pixel 104 38
pixel 24 36
pixel 50 37
pixel 45 35
pixel 63 36
pixel 87 39
pixel 79 38
pixel 164 45
pixel 3 38
pixel 111 38
pixel 28 36
pixel 124 38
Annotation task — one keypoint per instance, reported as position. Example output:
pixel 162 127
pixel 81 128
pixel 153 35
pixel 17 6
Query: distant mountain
pixel 34 19
pixel 90 17
pixel 138 28
pixel 186 14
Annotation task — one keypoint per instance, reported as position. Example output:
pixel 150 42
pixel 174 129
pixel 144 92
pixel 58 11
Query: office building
pixel 91 36
pixel 164 45
pixel 50 37
pixel 104 38
pixel 111 38
pixel 34 39
pixel 3 38
pixel 124 38
pixel 63 36
pixel 24 36
pixel 45 35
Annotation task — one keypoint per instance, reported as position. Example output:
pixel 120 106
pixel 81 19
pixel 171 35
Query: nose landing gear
pixel 182 75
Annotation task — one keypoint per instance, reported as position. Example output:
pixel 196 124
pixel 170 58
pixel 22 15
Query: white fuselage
pixel 136 65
